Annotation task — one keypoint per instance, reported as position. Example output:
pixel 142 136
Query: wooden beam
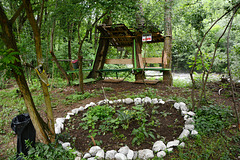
pixel 140 60
pixel 153 60
pixel 118 61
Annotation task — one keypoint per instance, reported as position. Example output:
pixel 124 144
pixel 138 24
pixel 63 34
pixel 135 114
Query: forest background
pixel 69 22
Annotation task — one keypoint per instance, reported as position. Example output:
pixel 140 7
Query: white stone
pixel 119 101
pixel 110 154
pixel 87 155
pixel 161 154
pixel 60 120
pixel 191 113
pixel 189 127
pixel 158 146
pixel 93 150
pixel 120 156
pixel 194 132
pixel 106 101
pixel 66 145
pixel 185 133
pixel 57 128
pixel 137 101
pixel 160 101
pixel 128 100
pixel 81 108
pixel 100 103
pixel 75 111
pixel 189 121
pixel 186 117
pixel 110 102
pixel 173 143
pixel 155 101
pixel 183 113
pixel 135 156
pixel 176 106
pixel 147 100
pixel 79 154
pixel 170 101
pixel 100 154
pixel 145 154
pixel 130 154
pixel 92 104
pixel 115 101
pixel 170 149
pixel 69 115
pixel 182 144
pixel 124 150
pixel 92 158
pixel 77 158
pixel 183 106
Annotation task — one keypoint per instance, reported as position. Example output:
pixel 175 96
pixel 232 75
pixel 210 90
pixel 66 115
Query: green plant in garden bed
pixel 141 134
pixel 99 120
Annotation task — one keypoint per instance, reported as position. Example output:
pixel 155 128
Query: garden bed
pixel 114 126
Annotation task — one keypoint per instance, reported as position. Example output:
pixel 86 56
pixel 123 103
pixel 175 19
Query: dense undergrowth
pixel 218 136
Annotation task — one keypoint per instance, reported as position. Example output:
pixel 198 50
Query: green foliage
pixel 8 57
pixel 95 114
pixel 141 134
pixel 72 98
pixel 100 119
pixel 205 147
pixel 235 59
pixel 52 152
pixel 212 119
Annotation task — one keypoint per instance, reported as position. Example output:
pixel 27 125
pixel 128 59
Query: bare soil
pixel 169 129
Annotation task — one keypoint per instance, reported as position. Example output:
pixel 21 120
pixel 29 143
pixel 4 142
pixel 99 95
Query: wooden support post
pixel 139 75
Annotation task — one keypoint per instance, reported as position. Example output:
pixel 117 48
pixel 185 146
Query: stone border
pixel 125 153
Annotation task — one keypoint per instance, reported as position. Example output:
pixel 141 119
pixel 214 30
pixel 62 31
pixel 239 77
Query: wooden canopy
pixel 120 36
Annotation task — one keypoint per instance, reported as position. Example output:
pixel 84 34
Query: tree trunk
pixel 37 39
pixel 70 31
pixel 10 42
pixel 101 53
pixel 100 57
pixel 139 75
pixel 167 55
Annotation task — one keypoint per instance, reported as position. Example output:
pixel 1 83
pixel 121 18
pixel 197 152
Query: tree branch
pixel 3 17
pixel 41 14
pixel 196 54
pixel 230 75
pixel 16 14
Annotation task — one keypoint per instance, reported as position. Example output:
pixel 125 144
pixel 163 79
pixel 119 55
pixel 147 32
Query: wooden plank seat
pixel 146 61
pixel 76 71
pixel 153 69
pixel 129 70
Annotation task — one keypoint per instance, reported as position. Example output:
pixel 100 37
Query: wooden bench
pixel 143 62
pixel 76 71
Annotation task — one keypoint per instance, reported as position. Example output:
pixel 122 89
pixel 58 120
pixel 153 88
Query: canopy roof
pixel 121 36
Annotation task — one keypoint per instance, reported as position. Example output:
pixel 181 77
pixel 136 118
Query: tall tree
pixel 167 55
pixel 37 38
pixel 44 131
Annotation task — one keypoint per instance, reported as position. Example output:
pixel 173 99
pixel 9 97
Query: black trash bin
pixel 23 127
